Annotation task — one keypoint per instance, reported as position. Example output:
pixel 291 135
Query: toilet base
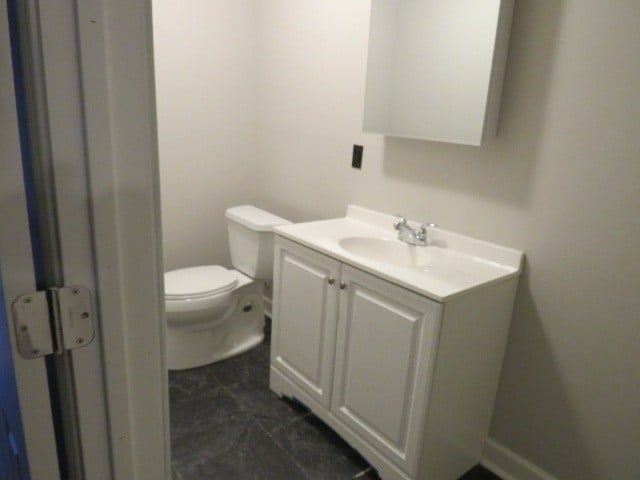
pixel 241 332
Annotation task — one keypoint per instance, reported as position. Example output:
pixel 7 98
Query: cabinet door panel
pixel 384 360
pixel 304 320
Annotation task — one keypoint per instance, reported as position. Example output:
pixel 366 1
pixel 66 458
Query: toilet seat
pixel 199 298
pixel 197 283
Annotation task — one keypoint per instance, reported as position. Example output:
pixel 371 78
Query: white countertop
pixel 457 264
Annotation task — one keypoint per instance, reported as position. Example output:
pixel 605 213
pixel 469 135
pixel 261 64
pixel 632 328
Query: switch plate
pixel 356 159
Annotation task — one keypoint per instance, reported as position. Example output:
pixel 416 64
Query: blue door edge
pixel 13 451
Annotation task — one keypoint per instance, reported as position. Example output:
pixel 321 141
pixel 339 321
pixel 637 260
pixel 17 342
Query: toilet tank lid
pixel 254 218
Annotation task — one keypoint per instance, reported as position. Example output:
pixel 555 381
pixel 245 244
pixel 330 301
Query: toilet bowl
pixel 213 312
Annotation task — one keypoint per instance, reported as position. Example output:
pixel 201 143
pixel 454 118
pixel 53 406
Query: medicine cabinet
pixel 435 68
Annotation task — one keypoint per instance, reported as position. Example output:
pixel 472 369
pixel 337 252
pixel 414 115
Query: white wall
pixel 560 181
pixel 205 80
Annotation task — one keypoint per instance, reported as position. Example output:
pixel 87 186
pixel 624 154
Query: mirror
pixel 435 68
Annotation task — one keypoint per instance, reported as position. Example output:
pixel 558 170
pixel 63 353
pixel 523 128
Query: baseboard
pixel 508 465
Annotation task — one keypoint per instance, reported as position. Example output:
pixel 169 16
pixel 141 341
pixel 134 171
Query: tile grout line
pixel 291 422
pixel 281 447
pixel 277 444
pixel 269 430
pixel 251 412
pixel 279 428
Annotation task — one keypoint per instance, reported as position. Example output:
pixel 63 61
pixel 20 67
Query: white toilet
pixel 214 313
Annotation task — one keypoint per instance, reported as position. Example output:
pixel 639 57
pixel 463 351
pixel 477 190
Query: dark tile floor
pixel 227 425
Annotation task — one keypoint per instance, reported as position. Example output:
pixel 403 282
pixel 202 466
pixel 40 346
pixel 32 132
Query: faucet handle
pixel 422 233
pixel 401 222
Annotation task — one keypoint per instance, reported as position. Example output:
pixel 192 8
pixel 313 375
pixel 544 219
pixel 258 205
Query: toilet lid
pixel 198 282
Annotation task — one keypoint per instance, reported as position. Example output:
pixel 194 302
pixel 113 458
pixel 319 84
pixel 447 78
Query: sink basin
pixel 393 252
pixel 365 239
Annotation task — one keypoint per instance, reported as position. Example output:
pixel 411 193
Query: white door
pixel 92 170
pixel 25 406
pixel 385 351
pixel 305 307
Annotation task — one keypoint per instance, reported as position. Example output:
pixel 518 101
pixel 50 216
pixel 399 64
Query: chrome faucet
pixel 411 236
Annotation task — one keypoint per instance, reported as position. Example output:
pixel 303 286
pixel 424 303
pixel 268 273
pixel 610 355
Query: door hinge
pixel 53 320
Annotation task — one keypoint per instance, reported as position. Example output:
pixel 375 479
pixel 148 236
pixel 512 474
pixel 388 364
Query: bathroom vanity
pixel 397 347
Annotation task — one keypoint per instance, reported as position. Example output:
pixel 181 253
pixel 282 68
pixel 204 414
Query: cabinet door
pixel 305 308
pixel 385 354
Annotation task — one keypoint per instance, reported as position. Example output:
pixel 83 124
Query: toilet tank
pixel 251 240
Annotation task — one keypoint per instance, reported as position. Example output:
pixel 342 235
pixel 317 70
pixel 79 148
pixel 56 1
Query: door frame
pixel 118 90
pixel 121 197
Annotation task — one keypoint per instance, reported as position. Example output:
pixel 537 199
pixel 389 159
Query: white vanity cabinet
pixel 305 303
pixel 385 354
pixel 408 381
